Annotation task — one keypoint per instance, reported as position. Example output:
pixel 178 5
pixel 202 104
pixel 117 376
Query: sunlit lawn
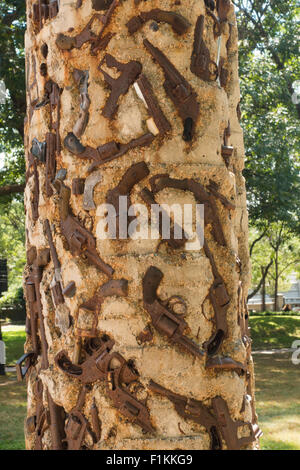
pixel 272 332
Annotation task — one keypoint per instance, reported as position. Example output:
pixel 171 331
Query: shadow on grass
pixel 274 332
pixel 12 412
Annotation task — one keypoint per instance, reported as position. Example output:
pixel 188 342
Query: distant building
pixel 291 297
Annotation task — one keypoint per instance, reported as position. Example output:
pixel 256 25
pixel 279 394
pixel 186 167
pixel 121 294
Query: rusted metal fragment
pixel 80 240
pixel 97 41
pixel 179 23
pixel 105 153
pixel 201 63
pixel 118 288
pixel 89 186
pixel 38 150
pixel 96 422
pixel 101 4
pixel 210 4
pixel 146 335
pixel 224 363
pixel 214 189
pixel 134 175
pixel 227 150
pixel 146 90
pixel 30 360
pixel 78 186
pixel 179 91
pixel 219 300
pixel 36 188
pixel 41 417
pixel 43 10
pixel 229 428
pixel 128 74
pixel 173 240
pixel 57 421
pixel 70 290
pixel 194 410
pixel 164 318
pixel 56 283
pixel 32 101
pixel 103 364
pixel 160 182
pixel 33 296
pixel 82 79
pixel 223 9
pixel 243 319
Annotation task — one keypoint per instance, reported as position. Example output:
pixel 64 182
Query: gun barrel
pixel 171 72
pixel 53 251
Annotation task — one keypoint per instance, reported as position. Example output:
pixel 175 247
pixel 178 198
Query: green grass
pixel 12 413
pixel 14 342
pixel 272 332
pixel 278 401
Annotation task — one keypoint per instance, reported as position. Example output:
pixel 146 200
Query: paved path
pixel 275 351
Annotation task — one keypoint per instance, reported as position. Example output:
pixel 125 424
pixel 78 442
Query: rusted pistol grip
pixel 57 422
pixel 201 63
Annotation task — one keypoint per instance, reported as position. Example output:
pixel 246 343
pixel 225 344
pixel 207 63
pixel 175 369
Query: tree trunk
pixel 124 332
pixel 263 292
pixel 276 307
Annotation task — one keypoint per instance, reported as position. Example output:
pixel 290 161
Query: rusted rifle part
pixel 227 150
pixel 118 288
pixel 57 423
pixel 160 182
pixel 190 408
pixel 117 386
pixel 56 284
pixel 229 428
pixel 96 422
pixel 88 197
pixel 77 424
pixel 98 41
pixel 179 91
pixel 128 74
pixel 201 63
pixel 225 363
pixel 103 364
pixel 36 188
pixel 29 359
pixel 82 79
pixel 163 316
pixel 105 153
pixel 80 240
pixel 33 295
pixel 179 23
pixel 145 88
pixel 174 242
pixel 223 9
pixel 134 175
pixel 41 417
pixel 220 300
pixel 51 96
pixel 78 186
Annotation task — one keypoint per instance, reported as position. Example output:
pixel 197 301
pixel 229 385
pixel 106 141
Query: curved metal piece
pixel 89 186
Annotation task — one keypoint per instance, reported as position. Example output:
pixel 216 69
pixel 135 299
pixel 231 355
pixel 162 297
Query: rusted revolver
pixel 220 300
pixel 104 153
pixel 134 175
pixel 190 408
pixel 56 284
pixel 103 364
pixel 119 86
pixel 179 24
pixel 33 296
pixel 163 316
pixel 80 240
pixel 111 288
pixel 201 63
pixel 179 91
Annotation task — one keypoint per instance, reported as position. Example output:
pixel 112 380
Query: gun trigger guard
pixel 176 300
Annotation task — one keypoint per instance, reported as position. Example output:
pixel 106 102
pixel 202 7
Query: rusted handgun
pixel 119 86
pixel 56 284
pixel 179 91
pixel 29 359
pixel 80 240
pixel 163 316
pixel 179 24
pixel 134 175
pixel 98 41
pixel 201 63
pixel 143 86
pixel 190 408
pixel 103 364
pixel 229 428
pixel 105 153
pixel 33 296
pixel 160 182
pixel 118 288
pixel 220 300
pixel 227 150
